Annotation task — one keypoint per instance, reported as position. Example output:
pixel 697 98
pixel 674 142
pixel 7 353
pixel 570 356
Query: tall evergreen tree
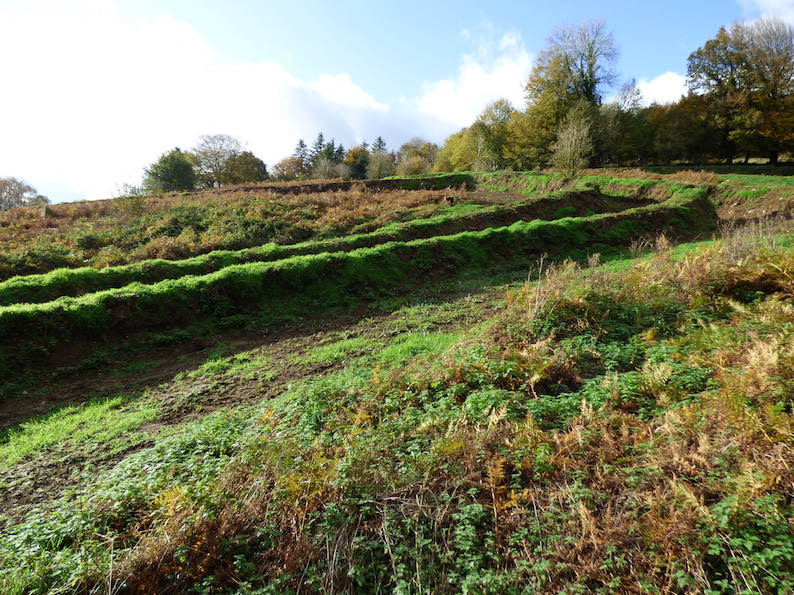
pixel 317 147
pixel 301 151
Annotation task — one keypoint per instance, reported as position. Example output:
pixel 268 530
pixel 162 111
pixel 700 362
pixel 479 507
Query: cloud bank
pixel 498 69
pixel 98 98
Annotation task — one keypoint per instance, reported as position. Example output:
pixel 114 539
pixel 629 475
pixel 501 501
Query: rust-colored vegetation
pixel 131 229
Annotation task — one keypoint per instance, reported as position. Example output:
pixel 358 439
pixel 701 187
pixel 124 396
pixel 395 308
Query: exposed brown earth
pixel 772 205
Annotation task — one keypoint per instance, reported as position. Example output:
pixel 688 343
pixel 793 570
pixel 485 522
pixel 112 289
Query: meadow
pixel 515 383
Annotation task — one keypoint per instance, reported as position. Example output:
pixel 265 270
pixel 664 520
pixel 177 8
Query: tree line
pixel 216 160
pixel 325 159
pixel 740 104
pixel 222 160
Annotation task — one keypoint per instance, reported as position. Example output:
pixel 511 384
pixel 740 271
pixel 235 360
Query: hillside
pixel 491 383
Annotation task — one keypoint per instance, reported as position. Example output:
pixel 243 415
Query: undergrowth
pixel 610 430
pixel 231 293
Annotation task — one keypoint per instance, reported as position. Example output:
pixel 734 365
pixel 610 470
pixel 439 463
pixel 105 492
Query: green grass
pixel 229 294
pixel 401 350
pixel 595 429
pixel 99 423
pixel 339 350
pixel 761 181
pixel 622 406
pixel 78 281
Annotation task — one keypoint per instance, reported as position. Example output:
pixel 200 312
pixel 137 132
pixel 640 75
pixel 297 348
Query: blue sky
pixel 101 88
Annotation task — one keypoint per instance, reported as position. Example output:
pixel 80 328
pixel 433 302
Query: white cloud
pixel 497 69
pixel 665 88
pixel 96 99
pixel 780 8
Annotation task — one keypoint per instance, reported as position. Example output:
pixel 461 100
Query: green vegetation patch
pixel 450 219
pixel 83 425
pixel 610 428
pixel 330 279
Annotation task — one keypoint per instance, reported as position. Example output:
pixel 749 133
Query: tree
pixel 247 167
pixel 325 158
pixel 417 156
pixel 222 160
pixel 680 131
pixel 291 168
pixel 301 151
pixel 326 168
pixel 576 67
pixel 215 155
pixel 16 193
pixel 747 75
pixel 522 151
pixel 458 153
pixel 571 150
pixel 770 54
pixel 381 162
pixel 317 147
pixel 716 72
pixel 302 154
pixel 172 172
pixel 357 159
pixel 489 134
pixel 616 130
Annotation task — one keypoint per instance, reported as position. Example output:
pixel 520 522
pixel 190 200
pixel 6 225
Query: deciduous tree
pixel 490 132
pixel 247 167
pixel 381 162
pixel 417 156
pixel 222 160
pixel 576 67
pixel 172 172
pixel 215 155
pixel 616 130
pixel 16 193
pixel 291 168
pixel 357 159
pixel 574 144
pixel 458 153
pixel 746 73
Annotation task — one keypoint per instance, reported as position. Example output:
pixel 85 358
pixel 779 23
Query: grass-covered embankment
pixel 130 229
pixel 451 220
pixel 615 429
pixel 327 279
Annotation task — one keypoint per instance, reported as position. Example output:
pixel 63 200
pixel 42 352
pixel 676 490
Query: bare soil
pixel 777 204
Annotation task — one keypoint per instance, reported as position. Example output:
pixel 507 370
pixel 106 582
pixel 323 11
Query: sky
pixel 96 90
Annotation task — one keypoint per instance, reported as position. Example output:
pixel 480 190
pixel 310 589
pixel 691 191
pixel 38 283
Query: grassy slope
pixel 467 215
pixel 326 279
pixel 625 428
